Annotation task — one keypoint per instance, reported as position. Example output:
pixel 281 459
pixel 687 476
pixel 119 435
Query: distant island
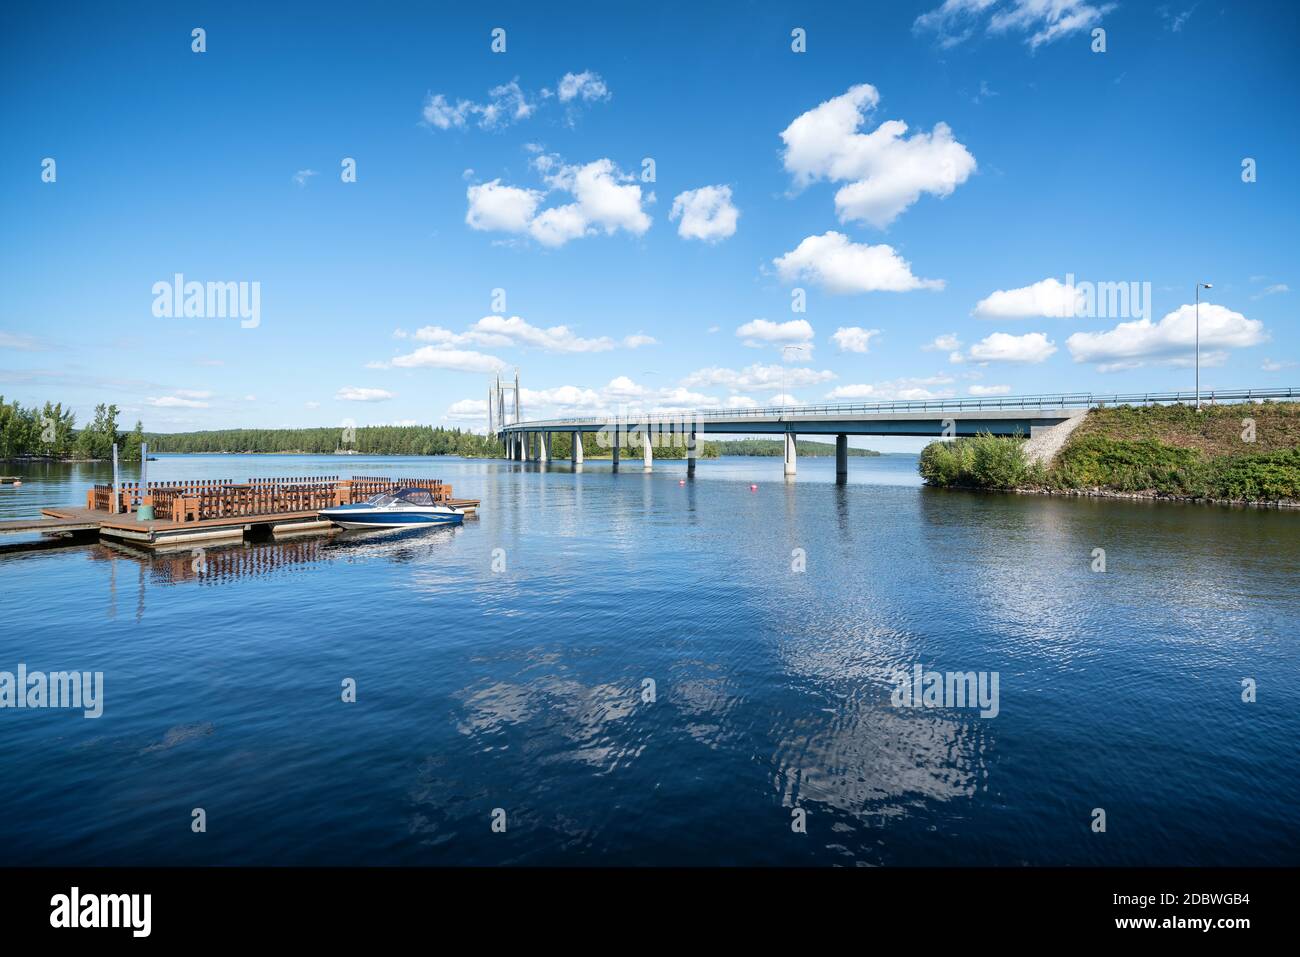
pixel 329 440
pixel 1238 453
pixel 428 440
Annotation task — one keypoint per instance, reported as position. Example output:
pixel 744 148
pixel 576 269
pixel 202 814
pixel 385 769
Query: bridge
pixel 1040 418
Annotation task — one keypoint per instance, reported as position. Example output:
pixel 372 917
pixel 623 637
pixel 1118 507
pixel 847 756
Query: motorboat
pixel 403 508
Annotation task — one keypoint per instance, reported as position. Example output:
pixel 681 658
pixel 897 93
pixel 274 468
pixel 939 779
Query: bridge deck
pixel 918 417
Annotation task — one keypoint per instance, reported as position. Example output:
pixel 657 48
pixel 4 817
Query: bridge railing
pixel 1064 400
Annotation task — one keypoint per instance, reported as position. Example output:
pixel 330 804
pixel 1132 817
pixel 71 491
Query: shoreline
pixel 1111 494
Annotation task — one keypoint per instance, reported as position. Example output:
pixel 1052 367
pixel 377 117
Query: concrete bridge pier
pixel 543 447
pixel 647 449
pixel 841 458
pixel 692 452
pixel 616 449
pixel 790 458
pixel 576 455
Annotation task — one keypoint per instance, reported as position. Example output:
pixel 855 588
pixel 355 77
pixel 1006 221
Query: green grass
pixel 1238 453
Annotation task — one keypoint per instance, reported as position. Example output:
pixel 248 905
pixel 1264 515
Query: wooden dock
pixel 212 511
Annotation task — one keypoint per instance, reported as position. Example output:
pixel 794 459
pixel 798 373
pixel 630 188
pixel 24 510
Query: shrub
pixel 1093 462
pixel 944 463
pixel 998 461
pixel 985 461
pixel 1269 476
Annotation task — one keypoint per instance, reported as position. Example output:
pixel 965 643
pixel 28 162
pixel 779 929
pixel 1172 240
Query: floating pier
pixel 210 510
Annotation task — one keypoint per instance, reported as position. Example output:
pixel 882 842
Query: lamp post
pixel 1199 287
pixel 784 358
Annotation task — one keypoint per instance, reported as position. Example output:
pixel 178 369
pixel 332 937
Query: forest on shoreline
pixel 50 432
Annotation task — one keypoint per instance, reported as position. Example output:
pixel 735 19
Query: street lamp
pixel 1199 287
pixel 784 359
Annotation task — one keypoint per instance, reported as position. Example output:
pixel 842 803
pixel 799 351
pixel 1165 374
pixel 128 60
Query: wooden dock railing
pixel 313 480
pixel 202 499
pixel 160 493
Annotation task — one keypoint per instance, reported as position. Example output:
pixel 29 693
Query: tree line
pixel 50 431
pixel 367 440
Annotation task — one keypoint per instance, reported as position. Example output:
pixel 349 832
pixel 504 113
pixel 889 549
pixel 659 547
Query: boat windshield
pixel 415 496
pixel 383 498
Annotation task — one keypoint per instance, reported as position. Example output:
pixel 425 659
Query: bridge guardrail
pixel 1065 400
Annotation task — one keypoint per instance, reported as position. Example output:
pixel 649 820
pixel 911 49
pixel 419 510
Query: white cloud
pixel 990 390
pixel 885 171
pixel 1272 290
pixel 854 338
pixel 1273 365
pixel 706 213
pixel 500 330
pixel 623 389
pixel 182 399
pixel 757 377
pixel 945 343
pixel 467 410
pixel 509 103
pixel 678 399
pixel 303 175
pixel 605 199
pixel 506 104
pixel 587 85
pixel 1043 20
pixel 567 398
pixel 355 394
pixel 760 332
pixel 1174 21
pixel 459 360
pixel 1172 340
pixel 493 206
pixel 250 398
pixel 311 405
pixel 1032 347
pixel 1047 298
pixel 842 266
pixel 906 389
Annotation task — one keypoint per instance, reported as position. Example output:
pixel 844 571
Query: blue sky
pixel 1027 157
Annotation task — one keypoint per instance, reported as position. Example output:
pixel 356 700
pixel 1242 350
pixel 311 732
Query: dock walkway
pixel 214 511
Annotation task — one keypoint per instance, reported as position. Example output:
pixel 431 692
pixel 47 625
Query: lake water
pixel 504 665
